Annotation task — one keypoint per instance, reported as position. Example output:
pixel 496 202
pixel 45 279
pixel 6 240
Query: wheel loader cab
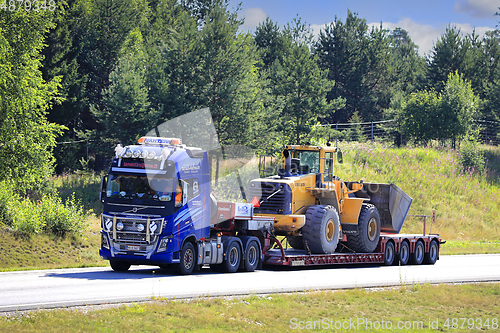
pixel 305 160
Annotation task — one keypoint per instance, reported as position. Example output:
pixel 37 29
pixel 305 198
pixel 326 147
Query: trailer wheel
pixel 404 253
pixel 232 260
pixel 366 240
pixel 321 232
pixel 188 257
pixel 431 257
pixel 417 257
pixel 297 242
pixel 389 254
pixel 119 266
pixel 252 256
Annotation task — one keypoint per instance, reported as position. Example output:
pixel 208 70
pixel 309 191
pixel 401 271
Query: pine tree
pixel 447 56
pixel 126 114
pixel 302 85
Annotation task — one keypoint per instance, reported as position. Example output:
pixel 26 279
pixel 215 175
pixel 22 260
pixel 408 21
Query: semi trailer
pixel 159 210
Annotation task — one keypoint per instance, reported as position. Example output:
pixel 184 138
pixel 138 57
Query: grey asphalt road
pixel 27 290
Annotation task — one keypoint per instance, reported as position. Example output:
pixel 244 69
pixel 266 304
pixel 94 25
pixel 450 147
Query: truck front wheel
pixel 119 266
pixel 188 257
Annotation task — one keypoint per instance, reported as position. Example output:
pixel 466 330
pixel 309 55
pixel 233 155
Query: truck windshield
pixel 140 187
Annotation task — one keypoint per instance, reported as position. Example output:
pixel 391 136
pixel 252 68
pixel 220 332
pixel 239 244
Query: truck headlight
pixel 163 245
pixel 119 226
pixel 104 241
pixel 140 227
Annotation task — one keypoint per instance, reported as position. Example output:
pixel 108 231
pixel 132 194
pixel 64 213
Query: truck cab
pixel 156 197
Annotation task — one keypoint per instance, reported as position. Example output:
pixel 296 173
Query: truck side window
pixel 178 194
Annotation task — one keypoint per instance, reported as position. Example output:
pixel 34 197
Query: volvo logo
pixel 134 209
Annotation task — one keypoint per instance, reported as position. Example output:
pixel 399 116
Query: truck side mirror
pixel 339 156
pixel 104 185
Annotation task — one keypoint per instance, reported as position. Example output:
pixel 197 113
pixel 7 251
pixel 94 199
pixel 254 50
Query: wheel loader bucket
pixel 392 203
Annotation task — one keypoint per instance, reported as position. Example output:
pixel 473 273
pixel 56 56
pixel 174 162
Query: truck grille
pixel 130 235
pixel 277 203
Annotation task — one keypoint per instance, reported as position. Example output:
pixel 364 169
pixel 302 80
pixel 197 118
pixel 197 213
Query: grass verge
pixel 422 308
pixel 47 251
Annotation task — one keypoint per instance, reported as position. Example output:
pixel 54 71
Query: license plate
pixel 133 248
pixel 298 263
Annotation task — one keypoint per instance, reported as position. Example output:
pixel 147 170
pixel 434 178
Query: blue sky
pixel 425 20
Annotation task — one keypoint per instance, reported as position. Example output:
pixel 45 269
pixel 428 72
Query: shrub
pixel 472 156
pixel 48 214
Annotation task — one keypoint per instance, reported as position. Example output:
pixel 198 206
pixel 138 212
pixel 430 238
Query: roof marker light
pixel 151 140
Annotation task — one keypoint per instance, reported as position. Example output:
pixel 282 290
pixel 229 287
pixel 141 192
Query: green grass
pixel 422 307
pixel 46 251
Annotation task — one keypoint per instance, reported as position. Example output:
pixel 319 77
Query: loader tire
pixel 321 232
pixel 296 242
pixel 366 240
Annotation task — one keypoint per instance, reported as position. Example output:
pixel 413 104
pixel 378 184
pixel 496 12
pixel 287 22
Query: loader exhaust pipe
pixel 288 163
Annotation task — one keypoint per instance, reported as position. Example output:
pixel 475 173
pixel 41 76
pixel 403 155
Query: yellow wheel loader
pixel 317 211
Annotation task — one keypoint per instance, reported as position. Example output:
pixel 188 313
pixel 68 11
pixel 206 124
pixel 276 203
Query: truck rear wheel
pixel 417 257
pixel 430 258
pixel 404 253
pixel 119 266
pixel 389 254
pixel 366 240
pixel 188 257
pixel 321 232
pixel 232 260
pixel 297 242
pixel 252 254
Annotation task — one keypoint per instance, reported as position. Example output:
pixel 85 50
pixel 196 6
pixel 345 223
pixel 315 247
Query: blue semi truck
pixel 158 210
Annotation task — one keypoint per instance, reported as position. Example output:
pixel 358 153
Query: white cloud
pixel 253 16
pixel 425 36
pixel 476 8
pixel 315 28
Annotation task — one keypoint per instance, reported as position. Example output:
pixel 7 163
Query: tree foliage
pixel 118 69
pixel 27 137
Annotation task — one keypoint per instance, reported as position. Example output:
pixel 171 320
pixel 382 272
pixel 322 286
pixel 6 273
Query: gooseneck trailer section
pixel 158 210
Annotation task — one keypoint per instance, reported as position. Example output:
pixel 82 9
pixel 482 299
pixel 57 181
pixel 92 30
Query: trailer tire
pixel 321 233
pixel 404 253
pixel 296 242
pixel 417 257
pixel 252 256
pixel 119 266
pixel 188 257
pixel 232 259
pixel 366 240
pixel 389 254
pixel 430 258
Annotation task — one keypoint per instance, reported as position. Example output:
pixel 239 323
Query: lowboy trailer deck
pixel 393 249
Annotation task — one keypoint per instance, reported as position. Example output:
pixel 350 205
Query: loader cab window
pixel 307 161
pixel 328 167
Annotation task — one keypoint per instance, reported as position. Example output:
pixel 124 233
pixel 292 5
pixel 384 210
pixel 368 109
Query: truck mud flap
pixel 392 203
